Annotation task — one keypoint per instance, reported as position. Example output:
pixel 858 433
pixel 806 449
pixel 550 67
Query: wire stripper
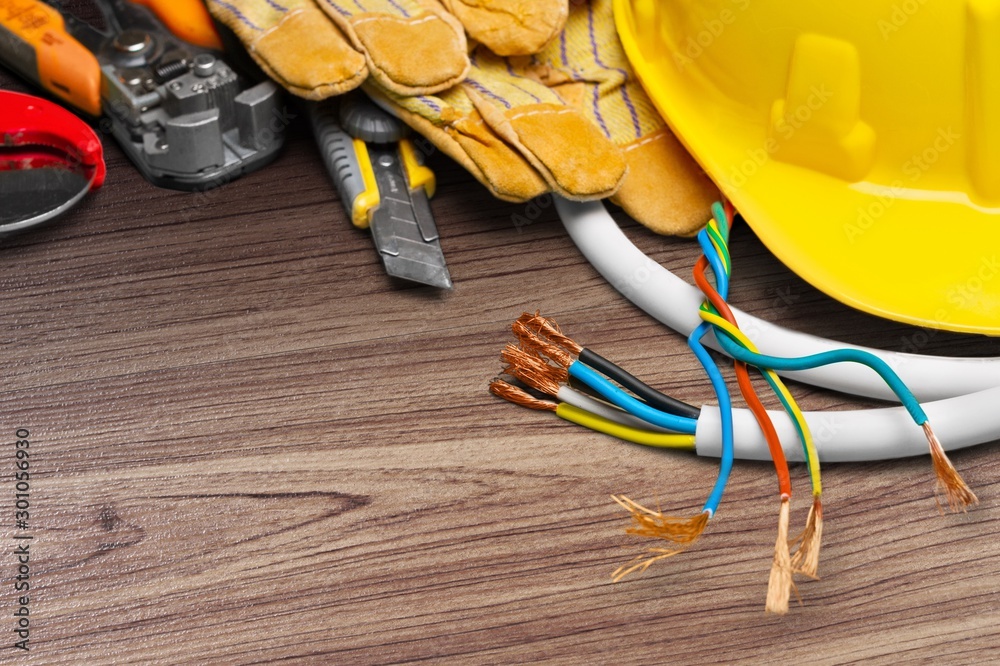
pixel 181 114
pixel 383 185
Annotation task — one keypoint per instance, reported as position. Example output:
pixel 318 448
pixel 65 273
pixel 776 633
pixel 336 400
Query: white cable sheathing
pixel 675 303
pixel 871 434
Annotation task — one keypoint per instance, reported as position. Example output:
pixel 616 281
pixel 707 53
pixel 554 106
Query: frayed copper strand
pixel 949 482
pixel 531 341
pixel 547 328
pixel 511 393
pixel 643 562
pixel 649 523
pixel 780 584
pixel 536 381
pixel 514 355
pixel 532 370
pixel 805 561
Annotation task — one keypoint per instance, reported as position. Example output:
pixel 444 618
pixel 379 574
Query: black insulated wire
pixel 648 394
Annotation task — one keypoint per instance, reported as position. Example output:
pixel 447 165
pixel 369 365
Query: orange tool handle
pixel 187 19
pixel 38 47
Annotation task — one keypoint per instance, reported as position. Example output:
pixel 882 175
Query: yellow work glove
pixel 510 27
pixel 665 188
pixel 320 48
pixel 514 134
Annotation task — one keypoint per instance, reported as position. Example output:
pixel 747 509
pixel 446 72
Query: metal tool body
pixel 383 186
pixel 182 115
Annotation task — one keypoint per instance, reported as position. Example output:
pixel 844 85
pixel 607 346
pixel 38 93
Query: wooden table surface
pixel 248 445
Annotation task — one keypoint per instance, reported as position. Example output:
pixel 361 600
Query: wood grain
pixel 251 446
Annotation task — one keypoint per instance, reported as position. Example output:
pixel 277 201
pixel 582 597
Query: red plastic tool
pixel 39 134
pixel 49 160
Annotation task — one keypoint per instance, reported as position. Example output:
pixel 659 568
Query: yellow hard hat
pixel 860 140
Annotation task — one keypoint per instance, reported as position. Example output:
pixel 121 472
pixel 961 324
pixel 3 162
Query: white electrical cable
pixel 675 303
pixel 966 391
pixel 852 436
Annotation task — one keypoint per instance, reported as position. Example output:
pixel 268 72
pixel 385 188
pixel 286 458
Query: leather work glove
pixel 568 119
pixel 513 133
pixel 665 189
pixel 510 27
pixel 320 48
pixel 515 124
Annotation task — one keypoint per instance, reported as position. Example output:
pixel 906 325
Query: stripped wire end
pixel 546 328
pixel 532 341
pixel 533 370
pixel 643 562
pixel 649 523
pixel 949 482
pixel 511 393
pixel 780 584
pixel 805 561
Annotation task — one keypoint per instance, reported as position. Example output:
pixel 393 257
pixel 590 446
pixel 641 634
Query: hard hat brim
pixel 922 257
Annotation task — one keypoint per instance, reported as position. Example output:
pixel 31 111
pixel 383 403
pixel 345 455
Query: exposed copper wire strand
pixel 649 523
pixel 533 370
pixel 533 379
pixel 530 340
pixel 642 562
pixel 545 327
pixel 805 561
pixel 511 393
pixel 780 583
pixel 949 482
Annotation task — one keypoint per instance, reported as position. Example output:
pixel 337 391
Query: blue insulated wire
pixel 721 277
pixel 778 363
pixel 615 395
pixel 725 414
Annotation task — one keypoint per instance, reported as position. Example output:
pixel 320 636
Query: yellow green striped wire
pixel 792 407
